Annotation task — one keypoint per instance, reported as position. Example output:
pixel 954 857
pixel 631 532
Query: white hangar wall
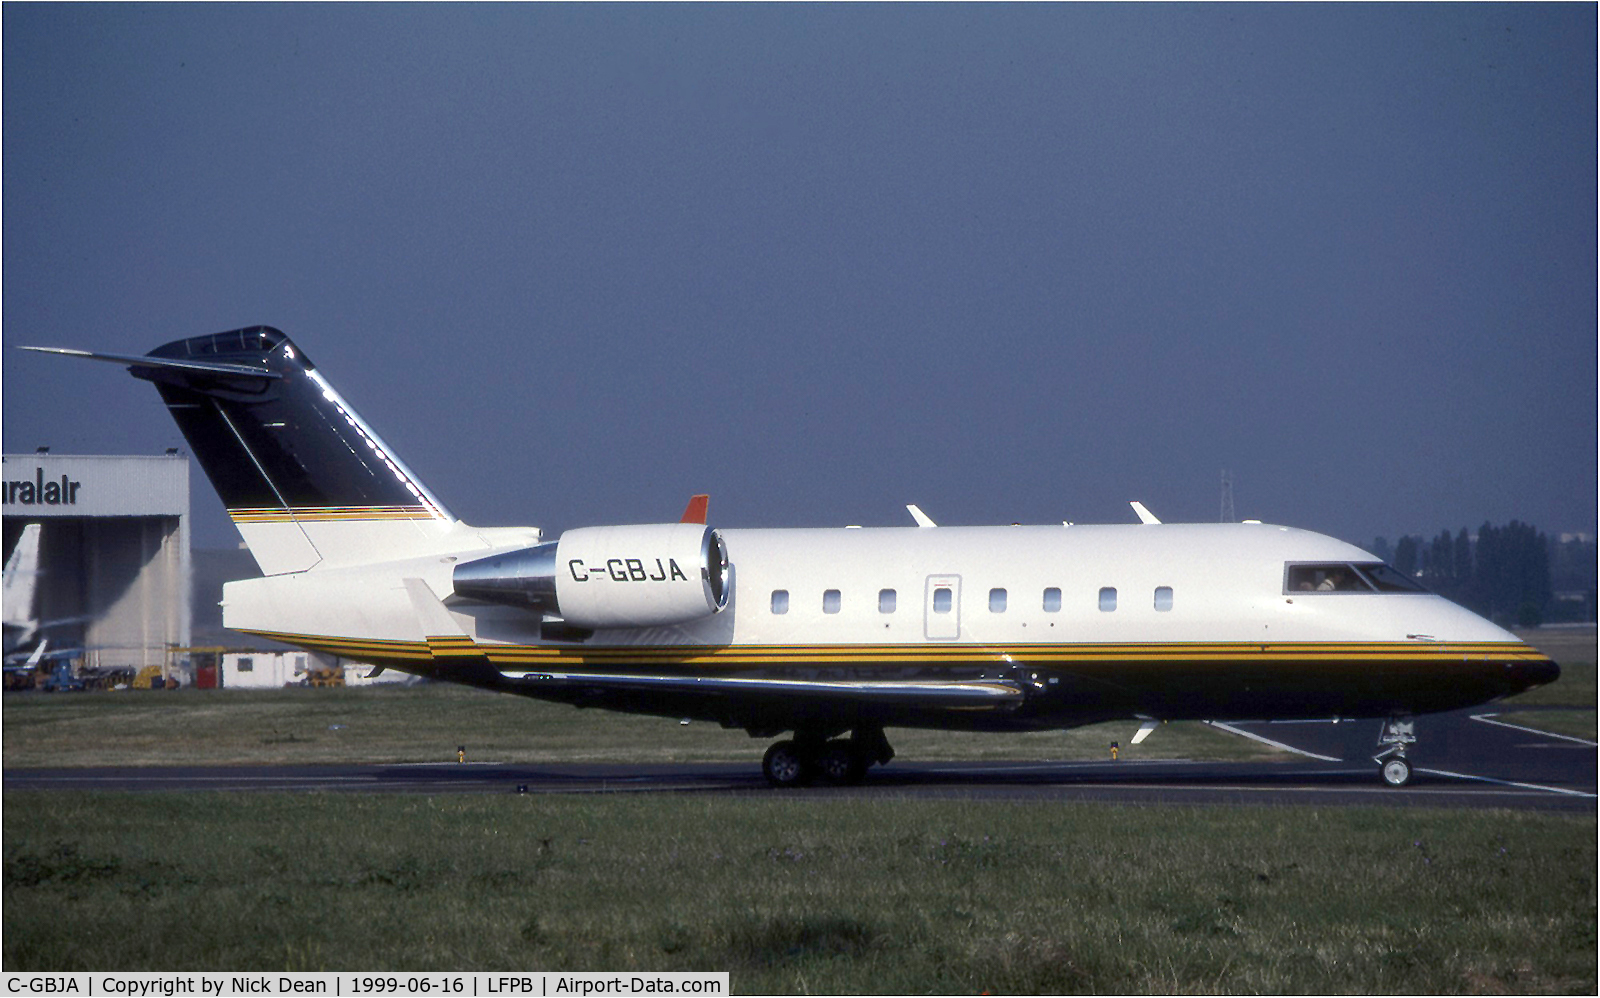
pixel 114 558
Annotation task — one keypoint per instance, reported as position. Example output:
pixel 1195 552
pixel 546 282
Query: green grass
pixel 801 895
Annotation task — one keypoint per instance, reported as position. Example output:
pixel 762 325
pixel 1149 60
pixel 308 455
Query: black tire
pixel 840 764
pixel 785 765
pixel 1396 772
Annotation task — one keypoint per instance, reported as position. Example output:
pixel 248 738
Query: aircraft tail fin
pixel 21 582
pixel 303 477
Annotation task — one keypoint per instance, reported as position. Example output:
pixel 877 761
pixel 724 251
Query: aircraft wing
pixel 990 694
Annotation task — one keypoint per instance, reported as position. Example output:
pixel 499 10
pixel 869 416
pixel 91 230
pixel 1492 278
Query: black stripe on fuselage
pixel 1065 686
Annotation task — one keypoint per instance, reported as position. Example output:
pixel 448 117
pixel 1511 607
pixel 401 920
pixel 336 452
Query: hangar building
pixel 114 568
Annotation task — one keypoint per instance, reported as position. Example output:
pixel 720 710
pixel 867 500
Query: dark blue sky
pixel 1010 263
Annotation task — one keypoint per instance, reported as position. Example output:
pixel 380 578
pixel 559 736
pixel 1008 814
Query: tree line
pixel 1514 575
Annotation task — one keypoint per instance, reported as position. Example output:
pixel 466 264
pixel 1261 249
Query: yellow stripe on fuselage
pixel 761 656
pixel 329 514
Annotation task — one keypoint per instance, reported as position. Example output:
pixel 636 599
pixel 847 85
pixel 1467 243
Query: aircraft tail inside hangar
pixel 114 562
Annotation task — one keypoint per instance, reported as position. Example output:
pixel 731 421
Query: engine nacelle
pixel 594 577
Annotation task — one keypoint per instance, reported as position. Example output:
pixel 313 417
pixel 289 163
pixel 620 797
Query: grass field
pixel 804 896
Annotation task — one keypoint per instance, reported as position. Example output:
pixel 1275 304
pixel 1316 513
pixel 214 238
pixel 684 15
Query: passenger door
pixel 942 608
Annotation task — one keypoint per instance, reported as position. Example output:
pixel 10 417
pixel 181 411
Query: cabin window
pixel 830 601
pixel 1163 598
pixel 780 601
pixel 886 598
pixel 1052 600
pixel 1108 598
pixel 942 600
pixel 997 601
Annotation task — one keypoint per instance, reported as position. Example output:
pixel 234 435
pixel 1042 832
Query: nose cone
pixel 1522 676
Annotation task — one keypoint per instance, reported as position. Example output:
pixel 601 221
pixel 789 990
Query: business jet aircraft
pixel 825 633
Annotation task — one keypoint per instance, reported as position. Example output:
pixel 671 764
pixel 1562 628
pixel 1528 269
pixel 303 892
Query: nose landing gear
pixel 1397 733
pixel 1396 771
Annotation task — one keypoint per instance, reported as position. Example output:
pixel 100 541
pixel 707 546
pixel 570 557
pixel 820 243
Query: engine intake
pixel 594 577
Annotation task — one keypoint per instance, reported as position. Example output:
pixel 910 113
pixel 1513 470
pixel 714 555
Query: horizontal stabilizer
pixel 180 364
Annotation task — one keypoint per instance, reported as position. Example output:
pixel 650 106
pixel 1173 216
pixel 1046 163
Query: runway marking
pixel 980 768
pixel 1374 791
pixel 1303 720
pixel 1489 719
pixel 1508 783
pixel 1268 741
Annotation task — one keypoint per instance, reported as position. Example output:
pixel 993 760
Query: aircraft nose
pixel 1527 675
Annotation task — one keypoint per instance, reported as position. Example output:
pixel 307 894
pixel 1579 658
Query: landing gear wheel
pixel 840 764
pixel 1397 733
pixel 785 765
pixel 1396 772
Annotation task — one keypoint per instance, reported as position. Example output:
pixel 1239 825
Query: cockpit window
pixel 1347 578
pixel 1325 579
pixel 1389 580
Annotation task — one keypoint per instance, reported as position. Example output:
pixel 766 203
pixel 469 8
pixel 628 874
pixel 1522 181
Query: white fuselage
pixel 1068 585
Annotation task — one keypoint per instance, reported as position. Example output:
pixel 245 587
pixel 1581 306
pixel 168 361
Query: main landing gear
pixel 1397 733
pixel 812 757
